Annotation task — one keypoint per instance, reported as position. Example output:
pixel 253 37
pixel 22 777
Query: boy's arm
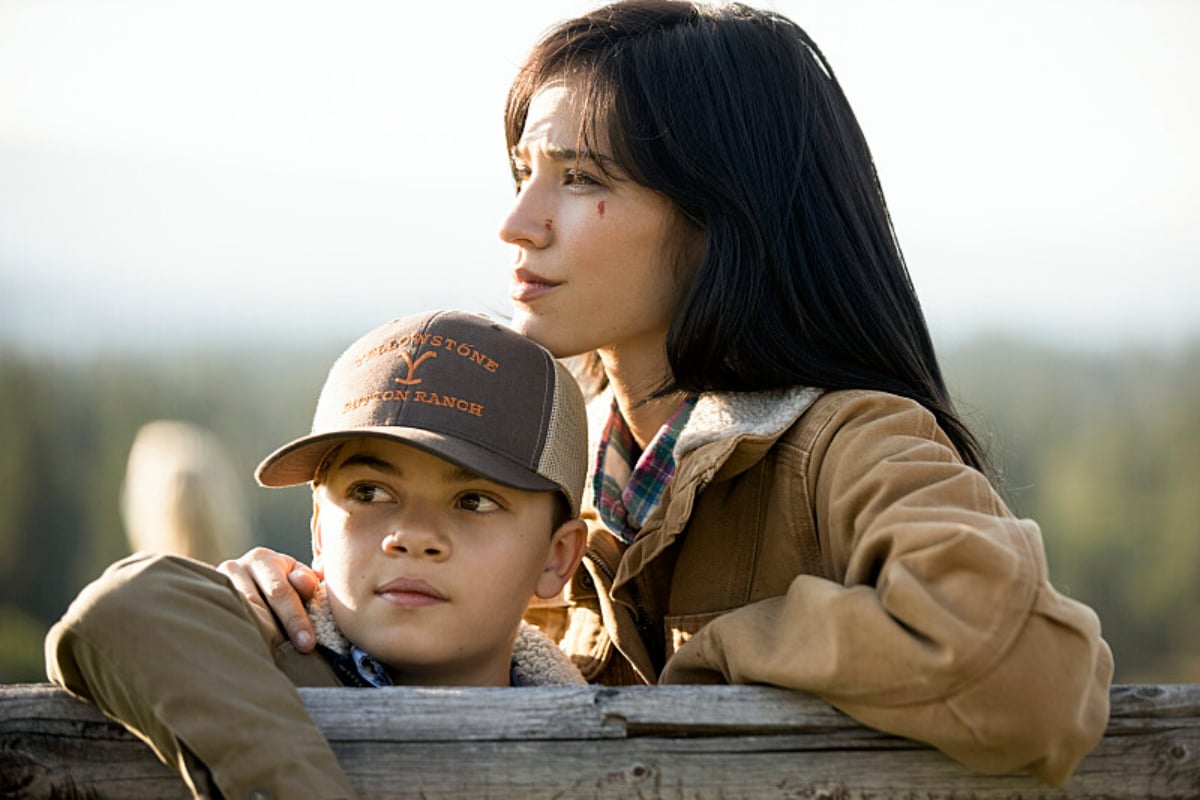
pixel 166 646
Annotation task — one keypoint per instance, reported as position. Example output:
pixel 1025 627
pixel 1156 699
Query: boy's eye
pixel 369 493
pixel 480 503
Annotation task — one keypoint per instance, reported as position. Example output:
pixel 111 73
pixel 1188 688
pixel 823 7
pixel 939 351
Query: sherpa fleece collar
pixel 720 415
pixel 723 415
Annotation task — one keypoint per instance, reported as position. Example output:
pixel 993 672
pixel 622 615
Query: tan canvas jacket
pixel 837 544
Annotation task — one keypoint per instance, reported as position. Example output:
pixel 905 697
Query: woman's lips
pixel 410 593
pixel 528 286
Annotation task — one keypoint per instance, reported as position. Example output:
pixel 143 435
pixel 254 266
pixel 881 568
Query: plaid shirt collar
pixel 628 486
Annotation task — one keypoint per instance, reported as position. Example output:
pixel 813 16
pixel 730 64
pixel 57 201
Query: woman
pixel 782 492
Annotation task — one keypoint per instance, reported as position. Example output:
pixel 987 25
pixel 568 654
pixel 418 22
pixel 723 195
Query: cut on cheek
pixel 600 209
pixel 549 224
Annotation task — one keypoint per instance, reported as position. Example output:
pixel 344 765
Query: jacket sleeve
pixel 944 627
pixel 166 646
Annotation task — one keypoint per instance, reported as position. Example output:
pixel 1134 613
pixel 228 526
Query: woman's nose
pixel 530 223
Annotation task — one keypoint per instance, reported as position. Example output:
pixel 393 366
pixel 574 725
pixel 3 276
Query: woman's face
pixel 595 265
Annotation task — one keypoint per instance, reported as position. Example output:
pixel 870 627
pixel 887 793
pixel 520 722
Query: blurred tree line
pixel 66 427
pixel 1102 450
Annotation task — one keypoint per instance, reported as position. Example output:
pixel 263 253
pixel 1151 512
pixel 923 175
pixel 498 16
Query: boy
pixel 447 460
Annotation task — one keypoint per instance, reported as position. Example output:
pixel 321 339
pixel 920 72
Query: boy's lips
pixel 527 285
pixel 411 592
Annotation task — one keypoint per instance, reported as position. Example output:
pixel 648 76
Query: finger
pixel 271 576
pixel 304 580
pixel 262 556
pixel 242 582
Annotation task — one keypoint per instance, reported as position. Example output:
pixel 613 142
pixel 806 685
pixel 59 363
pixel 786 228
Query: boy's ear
pixel 567 546
pixel 315 526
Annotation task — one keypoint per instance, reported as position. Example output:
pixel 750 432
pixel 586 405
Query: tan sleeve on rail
pixel 944 627
pixel 166 646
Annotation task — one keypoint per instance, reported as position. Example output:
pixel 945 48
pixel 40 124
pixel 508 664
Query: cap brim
pixel 297 461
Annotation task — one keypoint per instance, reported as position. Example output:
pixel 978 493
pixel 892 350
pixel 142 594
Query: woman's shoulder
pixel 859 401
pixel 844 411
pixel 859 428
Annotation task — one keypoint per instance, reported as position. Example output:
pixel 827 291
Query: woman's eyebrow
pixel 567 154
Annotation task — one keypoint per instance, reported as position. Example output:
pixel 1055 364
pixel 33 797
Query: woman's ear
pixel 315 527
pixel 567 546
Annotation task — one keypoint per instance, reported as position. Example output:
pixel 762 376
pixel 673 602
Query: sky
pixel 174 174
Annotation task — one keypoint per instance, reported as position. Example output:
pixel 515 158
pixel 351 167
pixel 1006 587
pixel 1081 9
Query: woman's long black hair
pixel 734 114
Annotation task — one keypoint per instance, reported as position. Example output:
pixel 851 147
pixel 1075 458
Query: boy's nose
pixel 418 540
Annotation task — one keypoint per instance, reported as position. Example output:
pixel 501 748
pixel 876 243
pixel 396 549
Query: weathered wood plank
pixel 586 712
pixel 677 742
pixel 53 746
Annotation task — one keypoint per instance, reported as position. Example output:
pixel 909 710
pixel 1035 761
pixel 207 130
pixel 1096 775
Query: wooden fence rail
pixel 598 742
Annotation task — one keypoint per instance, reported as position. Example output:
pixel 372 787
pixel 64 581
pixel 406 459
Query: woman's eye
pixel 577 178
pixel 480 503
pixel 369 493
pixel 520 174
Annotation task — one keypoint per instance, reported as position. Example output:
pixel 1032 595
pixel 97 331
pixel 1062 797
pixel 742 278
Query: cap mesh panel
pixel 564 458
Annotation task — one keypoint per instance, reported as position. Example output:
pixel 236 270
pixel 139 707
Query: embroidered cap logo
pixel 412 366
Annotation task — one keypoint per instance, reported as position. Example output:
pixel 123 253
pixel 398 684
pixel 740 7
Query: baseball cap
pixel 457 385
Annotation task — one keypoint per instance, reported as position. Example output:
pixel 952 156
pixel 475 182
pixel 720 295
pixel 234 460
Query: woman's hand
pixel 278 583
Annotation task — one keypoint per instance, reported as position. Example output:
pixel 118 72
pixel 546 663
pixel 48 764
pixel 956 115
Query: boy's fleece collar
pixel 536 658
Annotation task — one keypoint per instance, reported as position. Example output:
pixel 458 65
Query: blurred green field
pixel 1103 450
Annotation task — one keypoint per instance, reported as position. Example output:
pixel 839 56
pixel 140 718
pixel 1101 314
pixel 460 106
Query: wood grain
pixel 600 742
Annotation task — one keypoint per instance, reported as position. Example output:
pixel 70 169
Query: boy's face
pixel 428 567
